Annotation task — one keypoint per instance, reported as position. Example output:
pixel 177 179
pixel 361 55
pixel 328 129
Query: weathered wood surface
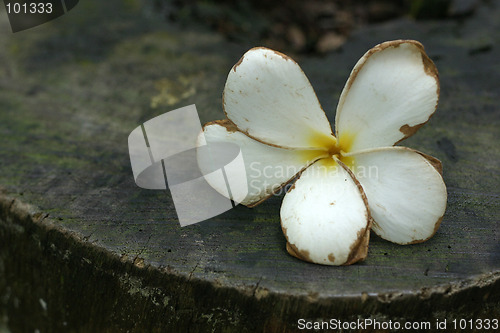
pixel 103 254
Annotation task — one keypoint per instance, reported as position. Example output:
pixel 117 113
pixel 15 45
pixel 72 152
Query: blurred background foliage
pixel 316 26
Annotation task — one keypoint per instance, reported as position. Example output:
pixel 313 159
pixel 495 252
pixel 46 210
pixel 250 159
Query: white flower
pixel 349 183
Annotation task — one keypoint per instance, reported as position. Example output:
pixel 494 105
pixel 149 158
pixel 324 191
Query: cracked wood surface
pixel 72 90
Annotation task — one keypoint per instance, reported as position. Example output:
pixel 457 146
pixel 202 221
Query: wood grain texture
pixel 70 94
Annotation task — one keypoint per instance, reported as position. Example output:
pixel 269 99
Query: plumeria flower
pixel 347 183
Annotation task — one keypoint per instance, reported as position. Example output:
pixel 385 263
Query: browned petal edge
pixel 228 124
pixel 433 161
pixel 439 168
pixel 436 163
pixel 264 198
pixel 429 68
pixel 294 251
pixel 232 127
pixel 436 227
pixel 408 130
pixel 284 56
pixel 359 249
pixel 238 63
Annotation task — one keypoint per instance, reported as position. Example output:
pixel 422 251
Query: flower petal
pixel 406 193
pixel 268 97
pixel 268 168
pixel 391 92
pixel 324 216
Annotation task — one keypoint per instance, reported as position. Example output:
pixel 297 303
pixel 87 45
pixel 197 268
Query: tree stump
pixel 82 248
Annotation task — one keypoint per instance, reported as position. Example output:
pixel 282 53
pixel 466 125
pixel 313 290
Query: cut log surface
pixel 83 248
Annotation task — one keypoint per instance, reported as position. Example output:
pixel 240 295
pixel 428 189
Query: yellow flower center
pixel 329 146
